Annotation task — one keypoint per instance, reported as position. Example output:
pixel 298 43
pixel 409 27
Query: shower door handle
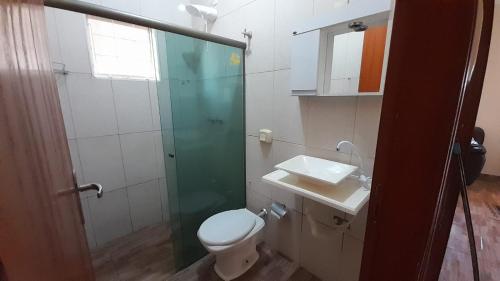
pixel 91 186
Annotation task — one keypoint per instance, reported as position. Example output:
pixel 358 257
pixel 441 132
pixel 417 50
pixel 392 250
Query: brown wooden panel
pixel 466 123
pixel 372 59
pixel 428 57
pixel 42 236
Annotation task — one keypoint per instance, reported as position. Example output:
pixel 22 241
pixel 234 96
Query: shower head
pixel 201 11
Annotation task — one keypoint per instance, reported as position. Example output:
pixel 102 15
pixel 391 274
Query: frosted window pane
pixel 104 45
pixel 121 50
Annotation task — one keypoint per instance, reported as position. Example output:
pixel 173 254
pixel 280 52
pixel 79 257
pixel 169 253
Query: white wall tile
pixel 139 157
pixel 259 54
pixel 155 107
pixel 284 234
pixel 160 160
pixel 72 31
pixel 350 261
pixel 65 106
pixel 330 120
pixel 320 249
pixel 322 7
pixel 367 123
pixel 89 229
pixel 258 163
pixel 164 199
pixel 289 112
pixel 284 150
pixel 259 102
pixel 225 7
pixel 145 204
pixel 75 160
pixel 287 198
pixel 53 37
pixel 289 13
pixel 92 105
pixel 102 162
pixel 110 215
pixel 229 26
pixel 133 106
pixel 256 201
pixel 329 154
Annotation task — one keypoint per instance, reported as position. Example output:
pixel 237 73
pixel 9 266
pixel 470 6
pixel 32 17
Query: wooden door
pixel 430 101
pixel 41 231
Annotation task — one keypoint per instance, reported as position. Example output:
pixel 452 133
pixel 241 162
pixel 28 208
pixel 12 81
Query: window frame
pixel 92 54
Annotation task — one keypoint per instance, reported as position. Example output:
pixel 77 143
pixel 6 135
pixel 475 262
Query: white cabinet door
pixel 305 57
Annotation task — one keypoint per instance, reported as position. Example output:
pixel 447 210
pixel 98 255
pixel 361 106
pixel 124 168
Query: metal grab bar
pixel 100 11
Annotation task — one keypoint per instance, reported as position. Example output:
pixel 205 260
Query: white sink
pixel 326 171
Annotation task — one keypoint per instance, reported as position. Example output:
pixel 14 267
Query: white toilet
pixel 232 237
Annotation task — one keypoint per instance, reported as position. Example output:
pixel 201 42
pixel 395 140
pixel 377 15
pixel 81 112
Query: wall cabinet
pixel 344 54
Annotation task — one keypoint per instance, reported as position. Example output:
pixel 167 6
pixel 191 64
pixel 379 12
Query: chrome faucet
pixel 363 178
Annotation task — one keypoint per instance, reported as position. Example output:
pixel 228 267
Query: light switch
pixel 266 135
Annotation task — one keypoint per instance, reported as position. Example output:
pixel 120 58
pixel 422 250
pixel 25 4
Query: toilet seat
pixel 227 227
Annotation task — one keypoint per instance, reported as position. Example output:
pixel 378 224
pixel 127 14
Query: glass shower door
pixel 201 96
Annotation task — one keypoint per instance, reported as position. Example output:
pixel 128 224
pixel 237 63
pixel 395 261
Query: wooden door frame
pixel 415 184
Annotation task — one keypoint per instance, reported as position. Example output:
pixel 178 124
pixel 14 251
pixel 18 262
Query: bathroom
pixel 120 144
pixel 178 129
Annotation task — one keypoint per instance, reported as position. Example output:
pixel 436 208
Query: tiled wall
pixel 300 125
pixel 113 129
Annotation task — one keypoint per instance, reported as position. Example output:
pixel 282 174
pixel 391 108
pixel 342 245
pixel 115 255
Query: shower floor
pixel 484 197
pixel 147 255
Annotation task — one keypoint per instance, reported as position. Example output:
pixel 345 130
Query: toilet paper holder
pixel 278 210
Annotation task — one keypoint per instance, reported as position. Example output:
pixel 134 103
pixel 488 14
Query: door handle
pixel 91 186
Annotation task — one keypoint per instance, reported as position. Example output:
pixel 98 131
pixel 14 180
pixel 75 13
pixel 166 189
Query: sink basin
pixel 329 172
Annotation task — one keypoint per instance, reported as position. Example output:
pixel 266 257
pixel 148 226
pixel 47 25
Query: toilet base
pixel 233 264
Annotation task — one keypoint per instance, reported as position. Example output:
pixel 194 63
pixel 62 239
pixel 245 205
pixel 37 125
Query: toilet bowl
pixel 232 237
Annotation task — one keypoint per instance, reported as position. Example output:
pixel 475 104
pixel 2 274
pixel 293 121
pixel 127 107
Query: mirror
pixel 355 61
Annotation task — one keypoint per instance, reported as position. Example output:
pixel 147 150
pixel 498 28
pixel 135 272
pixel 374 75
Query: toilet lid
pixel 226 228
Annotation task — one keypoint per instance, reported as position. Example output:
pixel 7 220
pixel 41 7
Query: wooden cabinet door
pixel 372 59
pixel 41 232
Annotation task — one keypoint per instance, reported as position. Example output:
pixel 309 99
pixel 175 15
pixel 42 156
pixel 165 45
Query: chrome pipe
pixel 262 213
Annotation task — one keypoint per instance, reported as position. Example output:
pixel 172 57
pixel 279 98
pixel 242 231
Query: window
pixel 121 50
